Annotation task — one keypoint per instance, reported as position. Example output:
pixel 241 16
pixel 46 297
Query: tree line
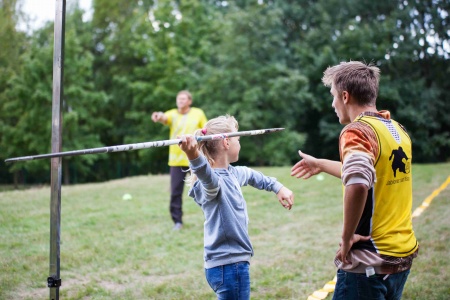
pixel 261 61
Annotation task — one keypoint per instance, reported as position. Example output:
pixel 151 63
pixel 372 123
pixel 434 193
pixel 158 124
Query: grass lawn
pixel 116 249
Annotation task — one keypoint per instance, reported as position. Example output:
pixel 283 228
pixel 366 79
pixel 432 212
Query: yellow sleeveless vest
pixel 390 222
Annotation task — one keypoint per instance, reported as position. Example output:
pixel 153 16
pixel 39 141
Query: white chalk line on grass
pixel 330 285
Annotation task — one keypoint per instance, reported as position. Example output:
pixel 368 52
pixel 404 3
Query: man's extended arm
pixel 309 166
pixel 159 116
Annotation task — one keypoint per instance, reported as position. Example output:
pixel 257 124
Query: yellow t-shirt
pixel 183 124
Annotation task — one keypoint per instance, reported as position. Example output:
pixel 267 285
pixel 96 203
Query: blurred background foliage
pixel 261 61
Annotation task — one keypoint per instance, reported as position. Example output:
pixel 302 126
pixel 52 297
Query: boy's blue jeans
pixel 355 286
pixel 230 281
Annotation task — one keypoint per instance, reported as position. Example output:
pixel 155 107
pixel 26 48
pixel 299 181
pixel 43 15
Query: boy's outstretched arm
pixel 309 166
pixel 286 197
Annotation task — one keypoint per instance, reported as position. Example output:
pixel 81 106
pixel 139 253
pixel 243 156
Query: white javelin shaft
pixel 144 145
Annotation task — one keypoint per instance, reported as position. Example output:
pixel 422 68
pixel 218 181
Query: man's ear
pixel 345 97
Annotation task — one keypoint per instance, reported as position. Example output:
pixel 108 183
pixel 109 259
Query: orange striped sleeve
pixel 358 137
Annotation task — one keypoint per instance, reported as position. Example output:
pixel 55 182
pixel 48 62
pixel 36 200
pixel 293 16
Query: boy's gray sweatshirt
pixel 218 192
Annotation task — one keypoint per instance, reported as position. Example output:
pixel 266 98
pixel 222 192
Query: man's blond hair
pixel 185 92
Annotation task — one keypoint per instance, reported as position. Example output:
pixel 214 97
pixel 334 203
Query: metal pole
pixel 145 145
pixel 54 280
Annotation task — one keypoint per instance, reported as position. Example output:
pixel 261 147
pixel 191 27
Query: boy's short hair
pixel 358 79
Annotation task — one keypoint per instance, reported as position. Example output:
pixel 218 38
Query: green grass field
pixel 116 249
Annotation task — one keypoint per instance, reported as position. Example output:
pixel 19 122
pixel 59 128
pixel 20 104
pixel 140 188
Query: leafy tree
pixel 174 44
pixel 416 87
pixel 390 34
pixel 28 102
pixel 248 77
pixel 123 46
pixel 152 53
pixel 13 43
pixel 261 61
pixel 83 122
pixel 27 108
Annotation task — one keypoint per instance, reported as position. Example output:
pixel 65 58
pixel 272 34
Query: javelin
pixel 144 145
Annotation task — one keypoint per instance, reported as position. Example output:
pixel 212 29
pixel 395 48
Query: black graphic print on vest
pixel 397 162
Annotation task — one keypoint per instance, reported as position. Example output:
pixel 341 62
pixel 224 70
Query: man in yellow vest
pixel 378 243
pixel 182 120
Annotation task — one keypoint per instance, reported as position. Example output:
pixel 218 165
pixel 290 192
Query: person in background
pixel 378 243
pixel 182 120
pixel 216 188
